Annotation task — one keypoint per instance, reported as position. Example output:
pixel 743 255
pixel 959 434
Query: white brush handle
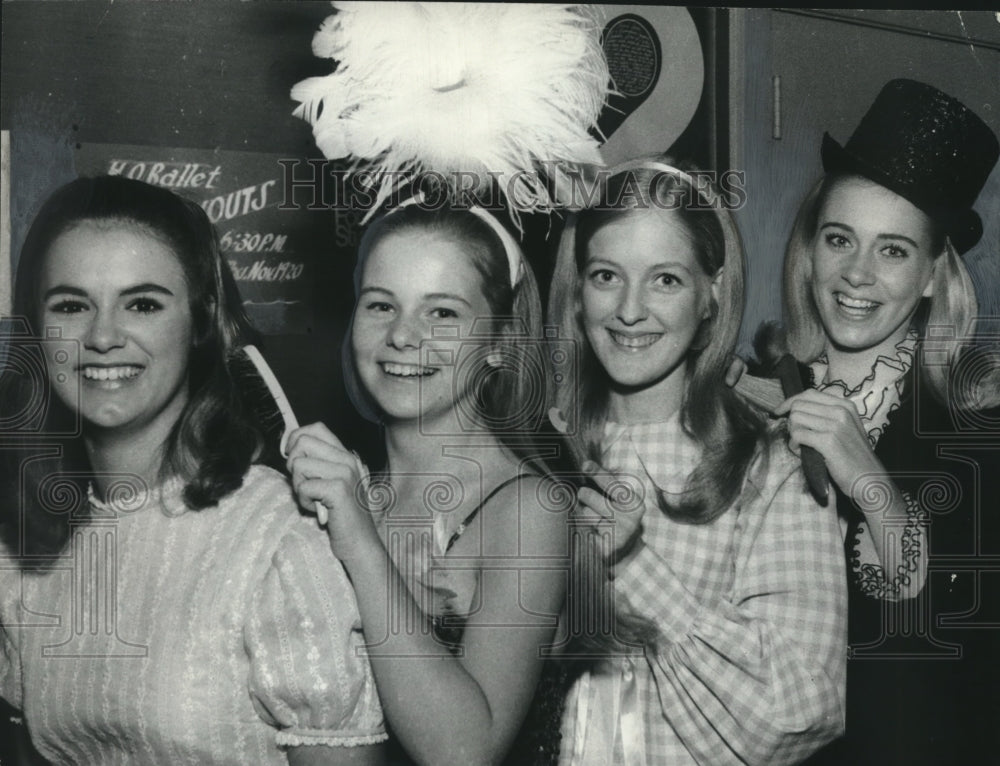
pixel 287 416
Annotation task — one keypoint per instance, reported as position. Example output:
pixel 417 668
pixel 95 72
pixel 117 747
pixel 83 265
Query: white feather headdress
pixel 474 92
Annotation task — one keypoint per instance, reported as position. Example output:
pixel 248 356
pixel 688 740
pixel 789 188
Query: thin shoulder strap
pixel 475 511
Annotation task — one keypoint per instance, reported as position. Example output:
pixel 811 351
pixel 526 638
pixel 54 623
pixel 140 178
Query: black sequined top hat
pixel 928 148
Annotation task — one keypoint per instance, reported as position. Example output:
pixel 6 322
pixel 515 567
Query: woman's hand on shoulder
pixel 328 478
pixel 831 426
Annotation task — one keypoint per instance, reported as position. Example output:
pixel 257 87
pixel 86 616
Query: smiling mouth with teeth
pixel 637 341
pixel 855 304
pixel 123 372
pixel 406 370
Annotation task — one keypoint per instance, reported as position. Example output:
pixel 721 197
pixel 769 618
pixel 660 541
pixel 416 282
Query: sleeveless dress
pixel 451 595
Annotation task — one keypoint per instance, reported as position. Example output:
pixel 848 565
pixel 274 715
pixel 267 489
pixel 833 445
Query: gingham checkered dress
pixel 751 611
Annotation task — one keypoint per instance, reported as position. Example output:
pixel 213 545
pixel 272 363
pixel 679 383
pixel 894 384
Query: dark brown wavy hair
pixel 215 439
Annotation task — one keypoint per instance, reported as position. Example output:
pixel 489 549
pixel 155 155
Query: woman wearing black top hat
pixel 878 309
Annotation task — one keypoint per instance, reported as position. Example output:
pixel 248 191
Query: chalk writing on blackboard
pixel 276 254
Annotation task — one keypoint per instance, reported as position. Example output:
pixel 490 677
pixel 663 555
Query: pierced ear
pixel 494 358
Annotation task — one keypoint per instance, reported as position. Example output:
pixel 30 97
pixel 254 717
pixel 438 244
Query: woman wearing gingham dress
pixel 725 578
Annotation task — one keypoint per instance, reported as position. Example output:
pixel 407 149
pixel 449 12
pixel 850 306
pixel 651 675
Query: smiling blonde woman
pixel 880 311
pixel 459 567
pixel 728 638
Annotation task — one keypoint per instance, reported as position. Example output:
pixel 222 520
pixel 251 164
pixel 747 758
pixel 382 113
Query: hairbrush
pixel 270 405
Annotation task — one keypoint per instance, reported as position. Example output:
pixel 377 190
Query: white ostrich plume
pixel 468 91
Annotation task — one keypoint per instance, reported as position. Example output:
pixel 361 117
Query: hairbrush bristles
pixel 281 404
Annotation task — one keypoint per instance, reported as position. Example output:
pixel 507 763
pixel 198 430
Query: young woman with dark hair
pixel 187 603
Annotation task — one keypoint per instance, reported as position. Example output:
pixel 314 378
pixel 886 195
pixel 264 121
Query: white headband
pixel 729 231
pixel 515 260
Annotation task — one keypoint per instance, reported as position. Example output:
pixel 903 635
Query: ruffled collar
pixel 880 392
pixel 129 494
pixel 662 451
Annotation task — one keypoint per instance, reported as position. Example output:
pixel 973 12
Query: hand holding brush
pixel 772 345
pixel 268 401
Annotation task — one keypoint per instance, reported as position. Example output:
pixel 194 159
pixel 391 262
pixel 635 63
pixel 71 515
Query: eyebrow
pixel 426 297
pixel 677 265
pixel 446 297
pixel 145 287
pixel 878 236
pixel 366 290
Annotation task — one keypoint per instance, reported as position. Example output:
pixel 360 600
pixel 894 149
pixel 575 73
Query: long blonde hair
pixel 721 422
